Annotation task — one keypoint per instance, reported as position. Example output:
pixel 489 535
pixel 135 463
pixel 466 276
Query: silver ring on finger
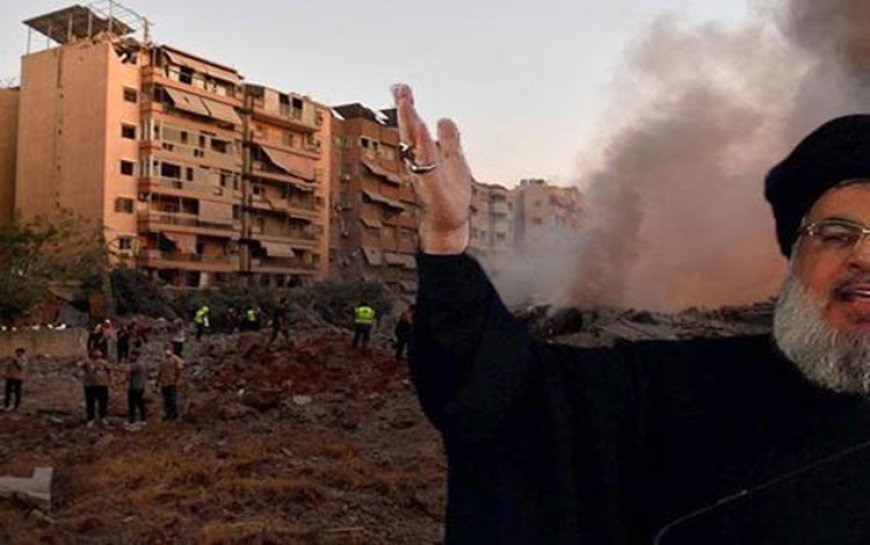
pixel 406 153
pixel 421 169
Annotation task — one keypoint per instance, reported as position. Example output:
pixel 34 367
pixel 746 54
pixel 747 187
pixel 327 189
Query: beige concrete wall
pixel 8 143
pixel 120 112
pixel 59 344
pixel 324 191
pixel 62 131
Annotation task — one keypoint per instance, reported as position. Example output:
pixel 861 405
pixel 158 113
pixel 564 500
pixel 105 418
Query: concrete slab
pixel 35 490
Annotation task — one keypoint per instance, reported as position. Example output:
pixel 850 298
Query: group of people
pixel 97 373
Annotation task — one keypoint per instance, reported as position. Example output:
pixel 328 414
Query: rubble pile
pixel 304 442
pixel 309 443
pixel 603 327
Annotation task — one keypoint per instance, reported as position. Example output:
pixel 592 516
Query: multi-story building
pixel 286 220
pixel 375 218
pixel 545 215
pixel 189 166
pixel 492 232
pixel 191 173
pixel 8 145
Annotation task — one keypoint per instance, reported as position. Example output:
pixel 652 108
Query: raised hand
pixel 443 191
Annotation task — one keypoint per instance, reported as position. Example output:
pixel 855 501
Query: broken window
pixel 128 131
pixel 124 205
pixel 131 95
pixel 128 168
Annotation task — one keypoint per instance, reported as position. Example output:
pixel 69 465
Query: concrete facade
pixel 9 99
pixel 491 238
pixel 286 217
pixel 545 214
pixel 68 343
pixel 191 173
pixel 375 208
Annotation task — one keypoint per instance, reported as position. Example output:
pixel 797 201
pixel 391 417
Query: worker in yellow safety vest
pixel 200 320
pixel 363 321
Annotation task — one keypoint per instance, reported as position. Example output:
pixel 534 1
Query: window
pixel 128 132
pixel 186 75
pixel 127 168
pixel 170 171
pixel 189 173
pixel 219 146
pixel 124 205
pixel 125 243
pixel 131 95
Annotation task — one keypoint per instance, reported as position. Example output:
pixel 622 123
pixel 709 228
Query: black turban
pixel 837 151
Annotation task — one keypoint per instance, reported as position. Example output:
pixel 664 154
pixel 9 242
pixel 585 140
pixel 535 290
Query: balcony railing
pixel 279 263
pixel 182 219
pixel 281 233
pixel 179 257
pixel 196 187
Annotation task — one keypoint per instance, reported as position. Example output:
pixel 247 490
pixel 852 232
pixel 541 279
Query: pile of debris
pixel 603 327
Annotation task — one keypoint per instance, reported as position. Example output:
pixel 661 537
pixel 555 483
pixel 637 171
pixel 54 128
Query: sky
pixel 527 82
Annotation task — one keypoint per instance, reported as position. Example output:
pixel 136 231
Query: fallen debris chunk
pixel 35 490
pixel 302 400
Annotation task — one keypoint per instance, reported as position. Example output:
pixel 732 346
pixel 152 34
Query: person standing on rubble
pixel 16 371
pixel 252 319
pixel 179 336
pixel 404 328
pixel 280 327
pixel 169 381
pixel 137 375
pixel 96 377
pixel 742 440
pixel 124 339
pixel 364 318
pixel 201 321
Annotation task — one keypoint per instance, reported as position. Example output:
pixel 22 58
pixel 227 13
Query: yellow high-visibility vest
pixel 364 316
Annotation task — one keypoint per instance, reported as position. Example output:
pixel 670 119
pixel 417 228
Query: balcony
pixel 289 236
pixel 305 119
pixel 152 221
pixel 195 262
pixel 282 266
pixel 172 186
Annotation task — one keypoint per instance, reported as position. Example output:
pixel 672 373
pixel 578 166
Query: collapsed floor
pixel 311 443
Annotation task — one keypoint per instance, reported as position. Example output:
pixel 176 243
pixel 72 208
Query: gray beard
pixel 832 359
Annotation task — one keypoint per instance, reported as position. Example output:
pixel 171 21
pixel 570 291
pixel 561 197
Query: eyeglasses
pixel 835 234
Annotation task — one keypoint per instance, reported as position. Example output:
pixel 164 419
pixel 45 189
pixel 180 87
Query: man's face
pixel 838 279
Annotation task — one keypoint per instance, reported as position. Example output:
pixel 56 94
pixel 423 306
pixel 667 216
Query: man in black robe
pixel 749 440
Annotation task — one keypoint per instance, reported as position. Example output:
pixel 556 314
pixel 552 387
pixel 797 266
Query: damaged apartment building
pixel 193 174
pixel 374 230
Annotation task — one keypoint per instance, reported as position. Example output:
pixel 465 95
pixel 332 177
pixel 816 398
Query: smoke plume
pixel 676 215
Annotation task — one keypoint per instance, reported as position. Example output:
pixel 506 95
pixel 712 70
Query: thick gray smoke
pixel 676 210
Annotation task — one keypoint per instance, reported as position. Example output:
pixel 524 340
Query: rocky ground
pixel 311 443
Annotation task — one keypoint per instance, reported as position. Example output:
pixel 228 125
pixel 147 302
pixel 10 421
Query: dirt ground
pixel 310 444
